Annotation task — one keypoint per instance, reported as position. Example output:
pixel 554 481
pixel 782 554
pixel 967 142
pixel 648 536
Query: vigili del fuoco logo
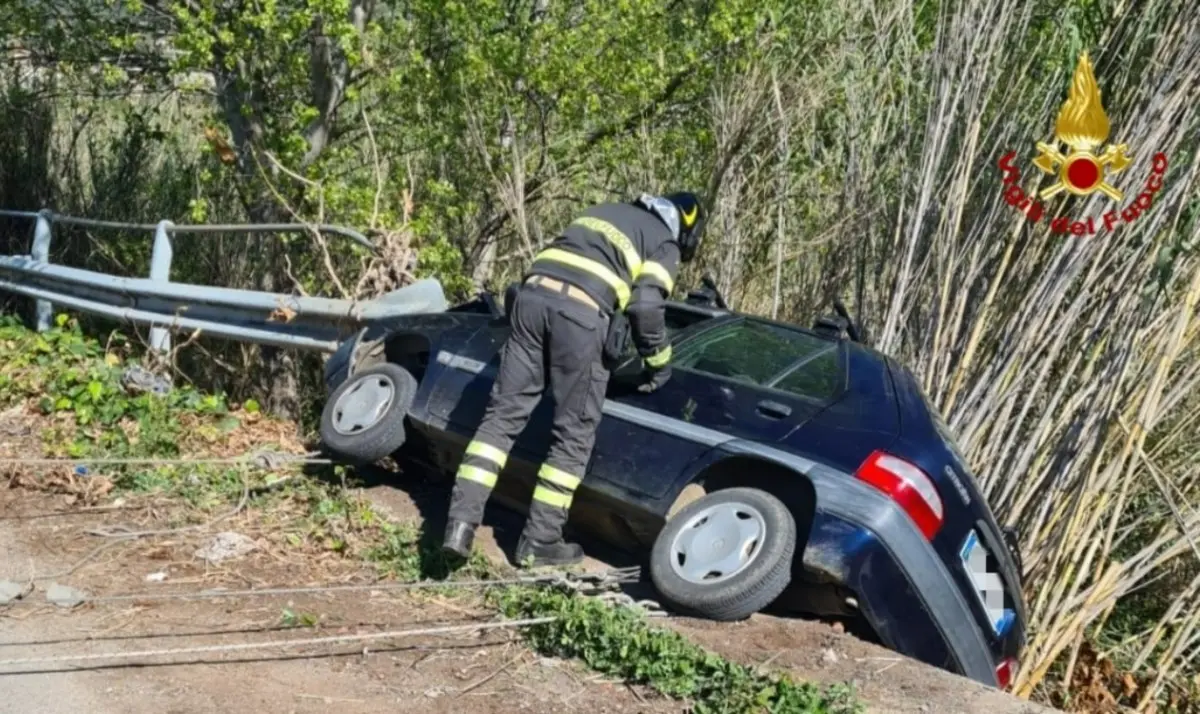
pixel 1086 167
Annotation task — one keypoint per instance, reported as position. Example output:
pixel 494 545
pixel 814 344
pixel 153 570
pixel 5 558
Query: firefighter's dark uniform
pixel 616 256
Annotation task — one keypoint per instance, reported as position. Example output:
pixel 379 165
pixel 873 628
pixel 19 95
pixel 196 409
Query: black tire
pixel 365 444
pixel 748 590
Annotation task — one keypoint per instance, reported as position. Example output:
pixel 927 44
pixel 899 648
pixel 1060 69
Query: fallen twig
pixel 484 680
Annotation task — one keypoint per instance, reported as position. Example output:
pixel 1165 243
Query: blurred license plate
pixel 985 577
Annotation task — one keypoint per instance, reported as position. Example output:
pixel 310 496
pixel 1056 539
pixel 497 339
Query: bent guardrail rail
pixel 265 318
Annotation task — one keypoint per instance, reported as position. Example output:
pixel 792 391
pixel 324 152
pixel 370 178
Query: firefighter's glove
pixel 653 379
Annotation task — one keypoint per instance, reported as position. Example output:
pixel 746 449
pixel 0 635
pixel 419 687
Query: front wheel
pixel 363 421
pixel 726 555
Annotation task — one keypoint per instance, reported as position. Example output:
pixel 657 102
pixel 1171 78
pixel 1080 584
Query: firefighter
pixel 616 260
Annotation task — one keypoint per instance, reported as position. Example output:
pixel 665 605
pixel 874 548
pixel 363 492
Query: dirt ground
pixel 467 673
pixel 808 650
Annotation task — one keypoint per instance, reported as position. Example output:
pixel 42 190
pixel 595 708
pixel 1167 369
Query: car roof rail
pixel 832 327
pixel 493 305
pixel 839 326
pixel 698 308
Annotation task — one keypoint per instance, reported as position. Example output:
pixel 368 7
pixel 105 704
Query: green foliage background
pixel 847 149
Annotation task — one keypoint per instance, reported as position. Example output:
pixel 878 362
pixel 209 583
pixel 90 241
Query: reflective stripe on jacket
pixel 625 258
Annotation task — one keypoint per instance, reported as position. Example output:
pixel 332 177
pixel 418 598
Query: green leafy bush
pixel 67 372
pixel 618 641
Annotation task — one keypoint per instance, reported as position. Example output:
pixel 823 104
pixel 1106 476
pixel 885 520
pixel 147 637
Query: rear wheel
pixel 726 555
pixel 363 421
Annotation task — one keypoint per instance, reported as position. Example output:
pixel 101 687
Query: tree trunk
pixel 243 98
pixel 280 376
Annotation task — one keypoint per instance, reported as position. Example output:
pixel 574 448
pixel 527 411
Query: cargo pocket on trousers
pixel 597 387
pixel 616 341
pixel 575 319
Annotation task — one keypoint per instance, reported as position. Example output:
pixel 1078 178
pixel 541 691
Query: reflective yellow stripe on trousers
pixel 489 452
pixel 551 498
pixel 550 478
pixel 558 477
pixel 478 475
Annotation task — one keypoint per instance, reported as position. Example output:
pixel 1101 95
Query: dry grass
pixel 1066 365
pixel 862 162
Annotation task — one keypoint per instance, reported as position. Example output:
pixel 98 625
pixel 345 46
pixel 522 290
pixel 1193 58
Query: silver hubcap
pixel 362 405
pixel 718 543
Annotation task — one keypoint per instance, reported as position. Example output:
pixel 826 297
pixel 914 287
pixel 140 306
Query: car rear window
pixel 819 377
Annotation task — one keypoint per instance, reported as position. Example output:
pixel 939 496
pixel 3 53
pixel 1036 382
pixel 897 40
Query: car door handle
pixel 774 410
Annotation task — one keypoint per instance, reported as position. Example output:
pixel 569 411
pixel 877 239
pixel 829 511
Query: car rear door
pixel 748 379
pixel 465 364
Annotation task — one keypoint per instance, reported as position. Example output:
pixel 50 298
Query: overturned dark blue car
pixel 779 467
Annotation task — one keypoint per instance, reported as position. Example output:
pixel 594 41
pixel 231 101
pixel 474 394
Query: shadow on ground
pixel 414 490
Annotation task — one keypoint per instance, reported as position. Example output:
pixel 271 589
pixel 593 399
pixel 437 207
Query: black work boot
pixel 557 552
pixel 459 537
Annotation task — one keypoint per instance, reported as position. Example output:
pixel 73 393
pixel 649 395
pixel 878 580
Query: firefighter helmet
pixel 691 222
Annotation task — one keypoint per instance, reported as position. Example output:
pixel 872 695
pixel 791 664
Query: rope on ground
pixel 603 585
pixel 81 511
pixel 78 564
pixel 245 646
pixel 583 582
pixel 316 590
pixel 124 533
pixel 270 460
pixel 261 459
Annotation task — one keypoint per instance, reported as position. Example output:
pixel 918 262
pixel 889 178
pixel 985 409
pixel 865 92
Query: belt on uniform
pixel 565 288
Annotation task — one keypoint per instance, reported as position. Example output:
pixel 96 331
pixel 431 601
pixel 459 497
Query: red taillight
pixel 908 486
pixel 1005 672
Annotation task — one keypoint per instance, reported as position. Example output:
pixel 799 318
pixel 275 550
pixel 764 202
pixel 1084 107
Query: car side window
pixel 748 351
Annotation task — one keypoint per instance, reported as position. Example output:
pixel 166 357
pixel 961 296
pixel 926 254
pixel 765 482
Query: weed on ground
pixel 619 642
pixel 71 397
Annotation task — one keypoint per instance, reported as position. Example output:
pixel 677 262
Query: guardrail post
pixel 43 310
pixel 160 271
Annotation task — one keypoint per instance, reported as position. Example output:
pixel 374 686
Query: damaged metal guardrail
pixel 265 318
